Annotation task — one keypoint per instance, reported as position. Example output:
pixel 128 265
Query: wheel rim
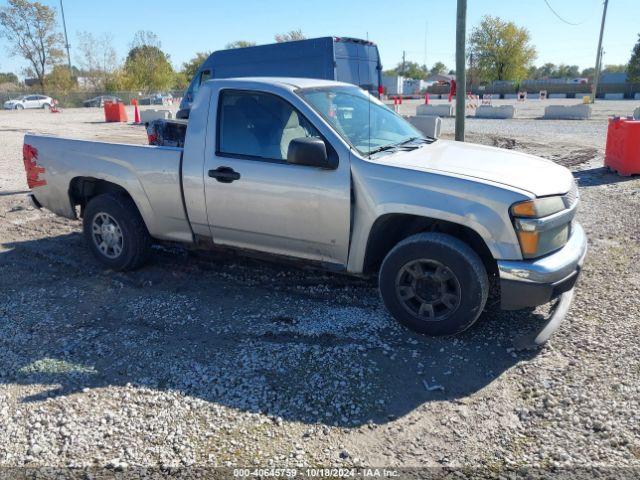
pixel 107 235
pixel 428 290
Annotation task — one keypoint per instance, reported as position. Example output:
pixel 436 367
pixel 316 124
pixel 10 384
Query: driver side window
pixel 256 124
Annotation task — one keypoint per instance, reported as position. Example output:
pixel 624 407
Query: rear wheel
pixel 46 106
pixel 434 284
pixel 115 232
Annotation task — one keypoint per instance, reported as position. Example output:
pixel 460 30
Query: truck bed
pixel 167 133
pixel 150 174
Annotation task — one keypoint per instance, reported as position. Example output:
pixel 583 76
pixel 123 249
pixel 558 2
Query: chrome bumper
pixel 536 282
pixel 552 268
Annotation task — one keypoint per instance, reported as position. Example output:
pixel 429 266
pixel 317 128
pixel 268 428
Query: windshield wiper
pixel 395 145
pixel 383 148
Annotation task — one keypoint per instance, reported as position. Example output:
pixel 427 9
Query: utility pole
pixel 403 61
pixel 461 75
pixel 596 75
pixel 66 39
pixel 426 27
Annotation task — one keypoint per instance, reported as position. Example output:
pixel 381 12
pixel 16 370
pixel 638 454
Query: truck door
pixel 256 200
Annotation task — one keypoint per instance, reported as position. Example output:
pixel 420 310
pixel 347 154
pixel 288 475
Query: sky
pixel 424 29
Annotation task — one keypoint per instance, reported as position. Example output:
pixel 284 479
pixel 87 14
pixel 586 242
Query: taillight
pixel 153 138
pixel 30 157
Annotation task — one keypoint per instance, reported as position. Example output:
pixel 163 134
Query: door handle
pixel 224 174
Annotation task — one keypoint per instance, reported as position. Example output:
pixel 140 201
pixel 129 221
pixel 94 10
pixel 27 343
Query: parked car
pixel 344 59
pixel 100 100
pixel 156 99
pixel 325 173
pixel 29 101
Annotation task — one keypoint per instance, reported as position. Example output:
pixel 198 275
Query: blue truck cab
pixel 349 60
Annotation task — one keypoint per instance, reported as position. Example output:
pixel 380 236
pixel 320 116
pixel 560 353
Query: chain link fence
pixel 77 98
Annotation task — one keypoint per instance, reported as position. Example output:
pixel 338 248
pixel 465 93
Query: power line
pixel 561 18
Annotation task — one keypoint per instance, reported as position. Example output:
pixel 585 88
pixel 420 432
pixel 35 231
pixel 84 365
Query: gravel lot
pixel 216 360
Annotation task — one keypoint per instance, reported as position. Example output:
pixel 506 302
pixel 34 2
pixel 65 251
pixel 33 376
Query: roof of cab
pixel 287 82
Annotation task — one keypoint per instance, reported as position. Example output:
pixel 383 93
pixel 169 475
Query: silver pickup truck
pixel 322 172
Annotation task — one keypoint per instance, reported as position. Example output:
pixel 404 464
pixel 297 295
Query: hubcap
pixel 428 289
pixel 107 235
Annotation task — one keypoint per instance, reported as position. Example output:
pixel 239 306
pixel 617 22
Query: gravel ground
pixel 211 359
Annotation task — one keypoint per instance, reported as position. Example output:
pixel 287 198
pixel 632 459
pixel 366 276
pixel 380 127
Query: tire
pixel 19 107
pixel 46 106
pixel 434 284
pixel 124 243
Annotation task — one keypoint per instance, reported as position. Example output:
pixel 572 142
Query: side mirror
pixel 310 151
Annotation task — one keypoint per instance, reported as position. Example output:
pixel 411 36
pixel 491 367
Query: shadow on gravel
pixel 594 177
pixel 304 346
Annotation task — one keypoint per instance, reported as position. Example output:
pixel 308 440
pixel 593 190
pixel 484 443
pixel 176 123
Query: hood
pixel 515 169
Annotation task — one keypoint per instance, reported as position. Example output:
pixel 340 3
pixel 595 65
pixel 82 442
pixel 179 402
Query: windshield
pixel 361 119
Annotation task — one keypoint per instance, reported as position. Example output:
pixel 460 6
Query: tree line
pixel 501 51
pixel 32 31
pixel 498 50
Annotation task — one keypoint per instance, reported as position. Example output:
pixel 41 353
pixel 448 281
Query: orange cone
pixel 136 113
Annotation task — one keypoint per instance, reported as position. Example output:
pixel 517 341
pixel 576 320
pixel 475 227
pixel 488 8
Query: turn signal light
pixel 538 208
pixel 524 209
pixel 528 243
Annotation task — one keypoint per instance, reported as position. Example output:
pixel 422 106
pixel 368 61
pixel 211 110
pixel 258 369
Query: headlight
pixel 540 226
pixel 538 208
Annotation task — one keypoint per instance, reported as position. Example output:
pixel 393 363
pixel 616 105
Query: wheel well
pixel 390 229
pixel 83 189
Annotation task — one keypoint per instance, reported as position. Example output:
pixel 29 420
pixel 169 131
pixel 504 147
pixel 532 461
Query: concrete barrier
pixel 636 114
pixel 435 110
pixel 149 115
pixel 503 111
pixel 428 125
pixel 557 95
pixel 510 96
pixel 569 112
pixel 614 96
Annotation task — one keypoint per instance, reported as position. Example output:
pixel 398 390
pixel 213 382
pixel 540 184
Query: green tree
pixel 190 68
pixel 8 77
pixel 614 69
pixel 147 67
pixel 502 50
pixel 409 70
pixel 240 44
pixel 31 30
pixel 61 80
pixel 438 68
pixel 633 68
pixel 588 72
pixel 290 36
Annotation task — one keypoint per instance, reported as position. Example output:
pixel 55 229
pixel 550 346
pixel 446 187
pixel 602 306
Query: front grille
pixel 572 196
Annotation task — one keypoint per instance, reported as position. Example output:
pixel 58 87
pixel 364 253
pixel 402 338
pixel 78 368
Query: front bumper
pixel 536 282
pixel 529 283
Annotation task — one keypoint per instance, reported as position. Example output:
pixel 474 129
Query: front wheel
pixel 19 107
pixel 434 284
pixel 115 232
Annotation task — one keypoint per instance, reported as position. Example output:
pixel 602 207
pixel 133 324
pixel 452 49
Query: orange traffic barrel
pixel 114 112
pixel 622 152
